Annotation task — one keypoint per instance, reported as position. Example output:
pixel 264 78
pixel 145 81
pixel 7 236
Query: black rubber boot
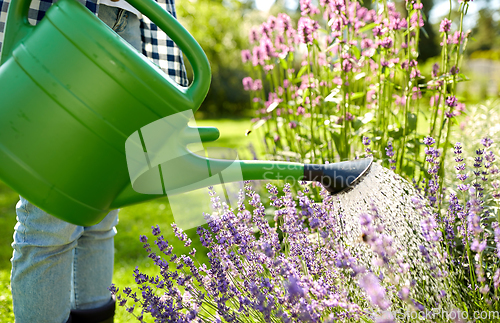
pixel 103 314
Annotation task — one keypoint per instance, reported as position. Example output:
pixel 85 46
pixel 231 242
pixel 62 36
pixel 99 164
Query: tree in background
pixel 428 47
pixel 219 26
pixel 486 32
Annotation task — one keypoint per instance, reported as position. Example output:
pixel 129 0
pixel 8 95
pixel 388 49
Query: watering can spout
pixel 338 177
pixel 335 177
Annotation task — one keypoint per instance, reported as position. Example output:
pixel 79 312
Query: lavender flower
pixel 429 141
pixel 389 152
pixel 376 293
pixel 451 101
pixel 486 142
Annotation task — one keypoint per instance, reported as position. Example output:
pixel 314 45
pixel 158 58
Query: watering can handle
pixel 198 89
pixel 16 27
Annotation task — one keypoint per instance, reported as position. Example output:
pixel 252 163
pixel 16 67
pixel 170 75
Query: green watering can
pixel 81 113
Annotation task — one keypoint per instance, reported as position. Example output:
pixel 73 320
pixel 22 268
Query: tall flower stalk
pixel 347 72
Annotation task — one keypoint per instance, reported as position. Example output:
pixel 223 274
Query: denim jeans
pixel 124 23
pixel 58 266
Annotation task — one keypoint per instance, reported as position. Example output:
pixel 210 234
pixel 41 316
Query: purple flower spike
pixel 429 141
pixel 370 283
pixel 389 150
pixel 486 142
pixel 293 288
pixel 451 101
pixel 156 230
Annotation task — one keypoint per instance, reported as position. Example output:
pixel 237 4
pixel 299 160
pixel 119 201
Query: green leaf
pixel 356 52
pixel 367 27
pixel 356 124
pixel 316 43
pixel 357 95
pixel 338 142
pixel 424 32
pixel 302 71
pixel 396 134
pixel 463 77
pixel 307 92
pixel 283 64
pixel 412 122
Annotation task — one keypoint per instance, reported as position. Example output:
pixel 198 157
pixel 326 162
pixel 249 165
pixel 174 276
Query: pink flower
pixel 455 38
pixel 307 27
pixel 254 35
pixel 257 56
pixel 300 110
pixel 366 43
pixel 271 22
pixel 445 26
pixel 283 23
pixel 414 18
pixel 416 93
pixel 418 6
pixel 265 29
pixel 245 55
pixel 415 73
pixel 346 65
pixel 247 83
pixel 307 9
pixel 257 85
pixel 434 100
pixel 451 101
pixel 267 47
pixel 386 42
pixel 459 108
pixel 399 100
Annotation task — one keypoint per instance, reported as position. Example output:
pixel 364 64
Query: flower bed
pixel 343 83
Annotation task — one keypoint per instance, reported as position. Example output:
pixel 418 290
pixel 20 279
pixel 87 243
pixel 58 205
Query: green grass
pixel 134 221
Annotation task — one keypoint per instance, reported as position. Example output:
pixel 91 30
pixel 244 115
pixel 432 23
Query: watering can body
pixel 72 92
pixel 75 96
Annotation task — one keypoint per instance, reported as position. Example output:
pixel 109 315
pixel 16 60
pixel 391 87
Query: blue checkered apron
pixel 156 45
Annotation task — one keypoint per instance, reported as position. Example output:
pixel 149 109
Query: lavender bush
pixel 314 262
pixel 466 220
pixel 346 72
